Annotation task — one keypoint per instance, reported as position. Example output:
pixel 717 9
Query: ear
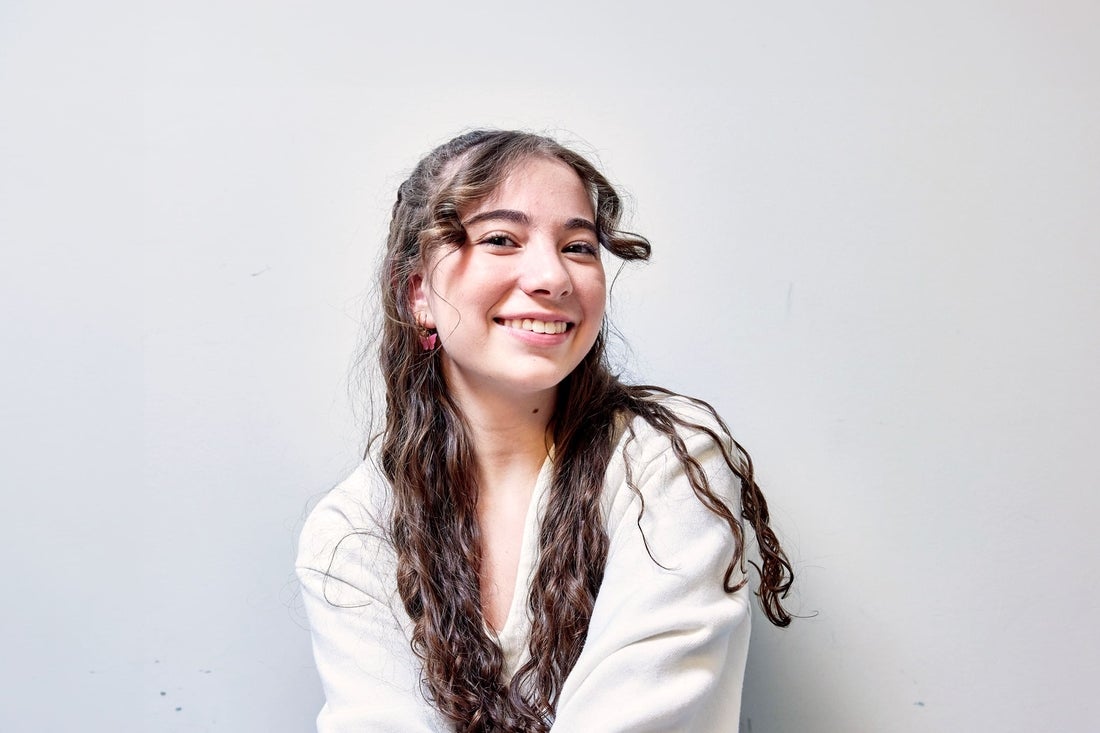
pixel 418 301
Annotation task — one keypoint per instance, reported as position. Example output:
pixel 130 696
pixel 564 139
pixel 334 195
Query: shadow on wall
pixel 787 689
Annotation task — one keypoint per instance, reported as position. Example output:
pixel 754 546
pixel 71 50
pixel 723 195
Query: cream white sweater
pixel 666 647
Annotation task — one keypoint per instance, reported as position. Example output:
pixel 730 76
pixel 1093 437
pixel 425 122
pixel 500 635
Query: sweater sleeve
pixel 666 646
pixel 370 677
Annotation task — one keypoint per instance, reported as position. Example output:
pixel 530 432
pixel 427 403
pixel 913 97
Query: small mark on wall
pixel 163 693
pixel 178 709
pixel 261 272
pixel 919 704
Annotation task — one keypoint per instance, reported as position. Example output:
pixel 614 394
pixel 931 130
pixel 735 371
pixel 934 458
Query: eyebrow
pixel 579 223
pixel 518 217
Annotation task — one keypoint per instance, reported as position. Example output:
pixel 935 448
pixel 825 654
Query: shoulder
pixel 691 420
pixel 361 500
pixel 346 536
pixel 660 454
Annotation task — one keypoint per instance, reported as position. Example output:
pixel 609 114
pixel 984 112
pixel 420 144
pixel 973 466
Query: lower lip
pixel 539 339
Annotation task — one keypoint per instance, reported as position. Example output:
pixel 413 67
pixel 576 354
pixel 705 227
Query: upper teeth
pixel 529 324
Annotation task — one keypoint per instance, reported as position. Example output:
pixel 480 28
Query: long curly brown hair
pixel 426 452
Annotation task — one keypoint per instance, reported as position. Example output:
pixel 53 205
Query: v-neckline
pixel 512 635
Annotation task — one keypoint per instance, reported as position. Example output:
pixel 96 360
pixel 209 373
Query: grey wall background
pixel 876 237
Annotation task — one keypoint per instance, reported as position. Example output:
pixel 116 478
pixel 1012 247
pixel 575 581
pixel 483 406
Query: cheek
pixel 595 295
pixel 463 306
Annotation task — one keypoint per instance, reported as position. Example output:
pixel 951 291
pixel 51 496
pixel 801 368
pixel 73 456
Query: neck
pixel 509 432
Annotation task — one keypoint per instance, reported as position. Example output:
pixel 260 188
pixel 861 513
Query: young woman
pixel 530 544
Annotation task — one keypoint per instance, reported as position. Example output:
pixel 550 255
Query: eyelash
pixel 583 248
pixel 497 240
pixel 503 240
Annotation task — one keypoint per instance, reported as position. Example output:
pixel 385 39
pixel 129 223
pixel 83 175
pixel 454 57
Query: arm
pixel 666 647
pixel 370 676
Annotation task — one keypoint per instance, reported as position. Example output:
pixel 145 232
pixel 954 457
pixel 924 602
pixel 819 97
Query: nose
pixel 544 271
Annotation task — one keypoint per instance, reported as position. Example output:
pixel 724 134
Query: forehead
pixel 539 184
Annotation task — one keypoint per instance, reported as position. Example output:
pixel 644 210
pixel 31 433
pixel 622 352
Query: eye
pixel 582 248
pixel 497 240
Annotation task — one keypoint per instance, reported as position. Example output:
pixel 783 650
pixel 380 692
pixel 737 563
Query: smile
pixel 529 324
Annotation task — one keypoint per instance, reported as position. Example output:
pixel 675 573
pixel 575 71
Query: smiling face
pixel 521 302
